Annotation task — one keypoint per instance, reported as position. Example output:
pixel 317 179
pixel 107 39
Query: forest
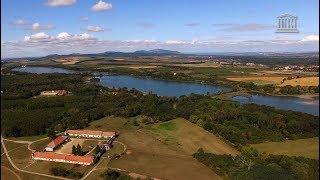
pixel 24 113
pixel 251 165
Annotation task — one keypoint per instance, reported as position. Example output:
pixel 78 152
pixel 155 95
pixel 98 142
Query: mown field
pixel 189 137
pixel 302 147
pixel 277 80
pixel 260 80
pixel 306 81
pixel 148 148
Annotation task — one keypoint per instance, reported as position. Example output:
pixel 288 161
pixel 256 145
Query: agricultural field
pixel 305 81
pixel 146 153
pixel 259 80
pixel 189 137
pixel 302 147
pixel 8 172
pixel 278 80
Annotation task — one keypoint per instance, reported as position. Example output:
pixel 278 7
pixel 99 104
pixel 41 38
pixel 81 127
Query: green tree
pixel 51 134
pixel 74 150
pixel 97 149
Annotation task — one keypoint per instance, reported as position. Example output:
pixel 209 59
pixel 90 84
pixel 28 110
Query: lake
pixel 310 106
pixel 173 88
pixel 159 87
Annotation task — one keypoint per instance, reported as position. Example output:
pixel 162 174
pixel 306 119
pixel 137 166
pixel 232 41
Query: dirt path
pixel 12 172
pixel 67 148
pixel 15 167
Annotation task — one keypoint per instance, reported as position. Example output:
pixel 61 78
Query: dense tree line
pixel 239 124
pixel 253 165
pixel 78 151
pixel 60 171
pixel 272 89
pixel 115 175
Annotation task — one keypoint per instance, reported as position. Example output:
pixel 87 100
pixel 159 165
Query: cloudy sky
pixel 42 27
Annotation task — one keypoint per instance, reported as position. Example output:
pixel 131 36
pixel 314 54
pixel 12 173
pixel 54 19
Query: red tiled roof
pixel 49 155
pixel 68 157
pixel 83 159
pixel 92 132
pixel 57 141
pixel 108 133
pixel 74 131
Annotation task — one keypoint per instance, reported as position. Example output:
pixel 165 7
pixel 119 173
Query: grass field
pixel 27 138
pixel 260 80
pixel 302 147
pixel 21 156
pixel 12 145
pixel 24 176
pixel 189 137
pixel 306 81
pixel 276 80
pixel 40 145
pixel 7 173
pixel 148 153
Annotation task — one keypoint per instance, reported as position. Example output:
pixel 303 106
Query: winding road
pixel 21 170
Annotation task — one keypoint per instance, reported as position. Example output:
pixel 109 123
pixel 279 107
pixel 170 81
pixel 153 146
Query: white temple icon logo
pixel 287 24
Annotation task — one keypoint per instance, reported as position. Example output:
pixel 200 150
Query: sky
pixel 43 27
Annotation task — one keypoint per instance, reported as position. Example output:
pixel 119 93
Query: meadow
pixel 302 147
pixel 147 153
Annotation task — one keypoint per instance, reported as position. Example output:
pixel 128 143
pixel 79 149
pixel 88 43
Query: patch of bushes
pixel 251 165
pixel 115 175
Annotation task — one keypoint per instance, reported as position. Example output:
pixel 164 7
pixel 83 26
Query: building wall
pixel 62 160
pixel 49 149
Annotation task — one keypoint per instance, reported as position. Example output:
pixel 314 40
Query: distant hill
pixel 164 52
pixel 157 52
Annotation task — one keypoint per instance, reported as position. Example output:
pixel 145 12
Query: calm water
pixel 171 88
pixel 159 87
pixel 310 106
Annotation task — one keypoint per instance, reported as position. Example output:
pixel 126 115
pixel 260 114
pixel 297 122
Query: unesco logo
pixel 287 24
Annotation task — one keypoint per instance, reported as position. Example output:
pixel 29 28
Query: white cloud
pixel 59 3
pixel 310 38
pixel 66 43
pixel 101 6
pixel 63 36
pixel 37 26
pixel 37 37
pixel 20 22
pixel 233 27
pixel 84 36
pixel 94 29
pixel 176 42
pixel 85 18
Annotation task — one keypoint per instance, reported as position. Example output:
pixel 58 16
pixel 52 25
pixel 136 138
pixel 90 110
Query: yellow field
pixel 306 81
pixel 301 147
pixel 276 80
pixel 260 80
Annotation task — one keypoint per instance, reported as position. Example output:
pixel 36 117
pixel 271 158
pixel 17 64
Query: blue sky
pixel 32 27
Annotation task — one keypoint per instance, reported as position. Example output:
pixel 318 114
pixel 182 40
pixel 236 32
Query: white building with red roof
pixel 56 142
pixel 90 133
pixel 66 158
